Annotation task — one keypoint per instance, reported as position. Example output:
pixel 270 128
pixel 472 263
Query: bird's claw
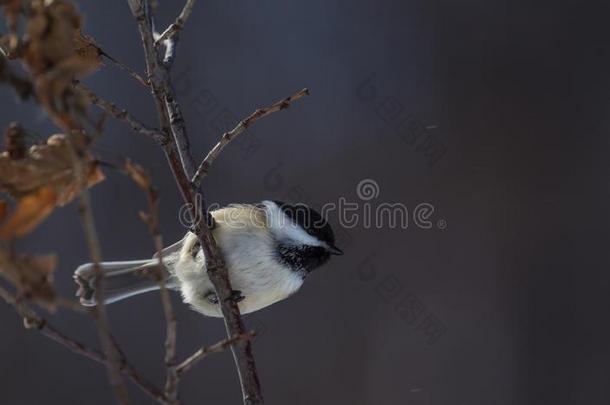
pixel 211 222
pixel 236 296
pixel 211 297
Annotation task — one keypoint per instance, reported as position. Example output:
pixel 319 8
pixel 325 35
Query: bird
pixel 269 249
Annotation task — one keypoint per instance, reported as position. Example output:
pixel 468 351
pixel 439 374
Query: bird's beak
pixel 333 250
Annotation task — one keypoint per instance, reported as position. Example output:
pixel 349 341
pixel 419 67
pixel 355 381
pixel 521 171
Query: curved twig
pixel 227 137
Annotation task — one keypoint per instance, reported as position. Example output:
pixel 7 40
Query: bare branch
pixel 217 272
pixel 170 117
pixel 181 162
pixel 187 364
pixel 100 315
pixel 174 28
pixel 171 385
pixel 124 67
pixel 178 128
pixel 171 35
pixel 78 140
pixel 142 179
pixel 227 137
pixel 154 69
pixel 34 321
pixel 120 114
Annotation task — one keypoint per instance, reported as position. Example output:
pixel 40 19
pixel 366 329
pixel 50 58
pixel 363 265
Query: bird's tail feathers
pixel 121 280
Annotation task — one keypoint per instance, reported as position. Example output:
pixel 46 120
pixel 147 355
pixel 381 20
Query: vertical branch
pixel 142 179
pixel 154 70
pixel 217 272
pixel 178 127
pixel 77 141
pixel 171 385
pixel 177 150
pixel 101 317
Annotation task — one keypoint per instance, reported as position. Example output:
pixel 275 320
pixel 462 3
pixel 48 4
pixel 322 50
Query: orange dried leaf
pixel 49 165
pixel 30 211
pixel 44 178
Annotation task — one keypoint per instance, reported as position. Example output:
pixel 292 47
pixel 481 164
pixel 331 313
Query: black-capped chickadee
pixel 269 249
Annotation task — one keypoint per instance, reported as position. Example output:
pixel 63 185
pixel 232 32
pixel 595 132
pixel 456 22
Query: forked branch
pixel 177 25
pixel 120 114
pixel 34 321
pixel 187 364
pixel 151 218
pixel 244 124
pixel 177 149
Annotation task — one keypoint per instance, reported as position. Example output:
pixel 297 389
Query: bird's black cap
pixel 312 222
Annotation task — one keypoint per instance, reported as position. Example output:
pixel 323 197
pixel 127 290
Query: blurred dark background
pixel 494 112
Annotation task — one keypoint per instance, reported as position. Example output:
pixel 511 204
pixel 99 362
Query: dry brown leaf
pixel 31 275
pixel 44 178
pixel 56 53
pixel 50 31
pixel 30 211
pixel 48 165
pixel 87 49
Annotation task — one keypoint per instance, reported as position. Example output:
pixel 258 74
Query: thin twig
pixel 22 85
pixel 34 321
pixel 178 24
pixel 100 315
pixel 193 359
pixel 142 179
pixel 119 113
pixel 171 36
pixel 77 140
pixel 71 305
pixel 227 137
pixel 171 385
pixel 154 69
pixel 124 67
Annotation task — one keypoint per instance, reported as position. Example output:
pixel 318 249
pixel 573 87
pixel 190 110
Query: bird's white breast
pixel 251 259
